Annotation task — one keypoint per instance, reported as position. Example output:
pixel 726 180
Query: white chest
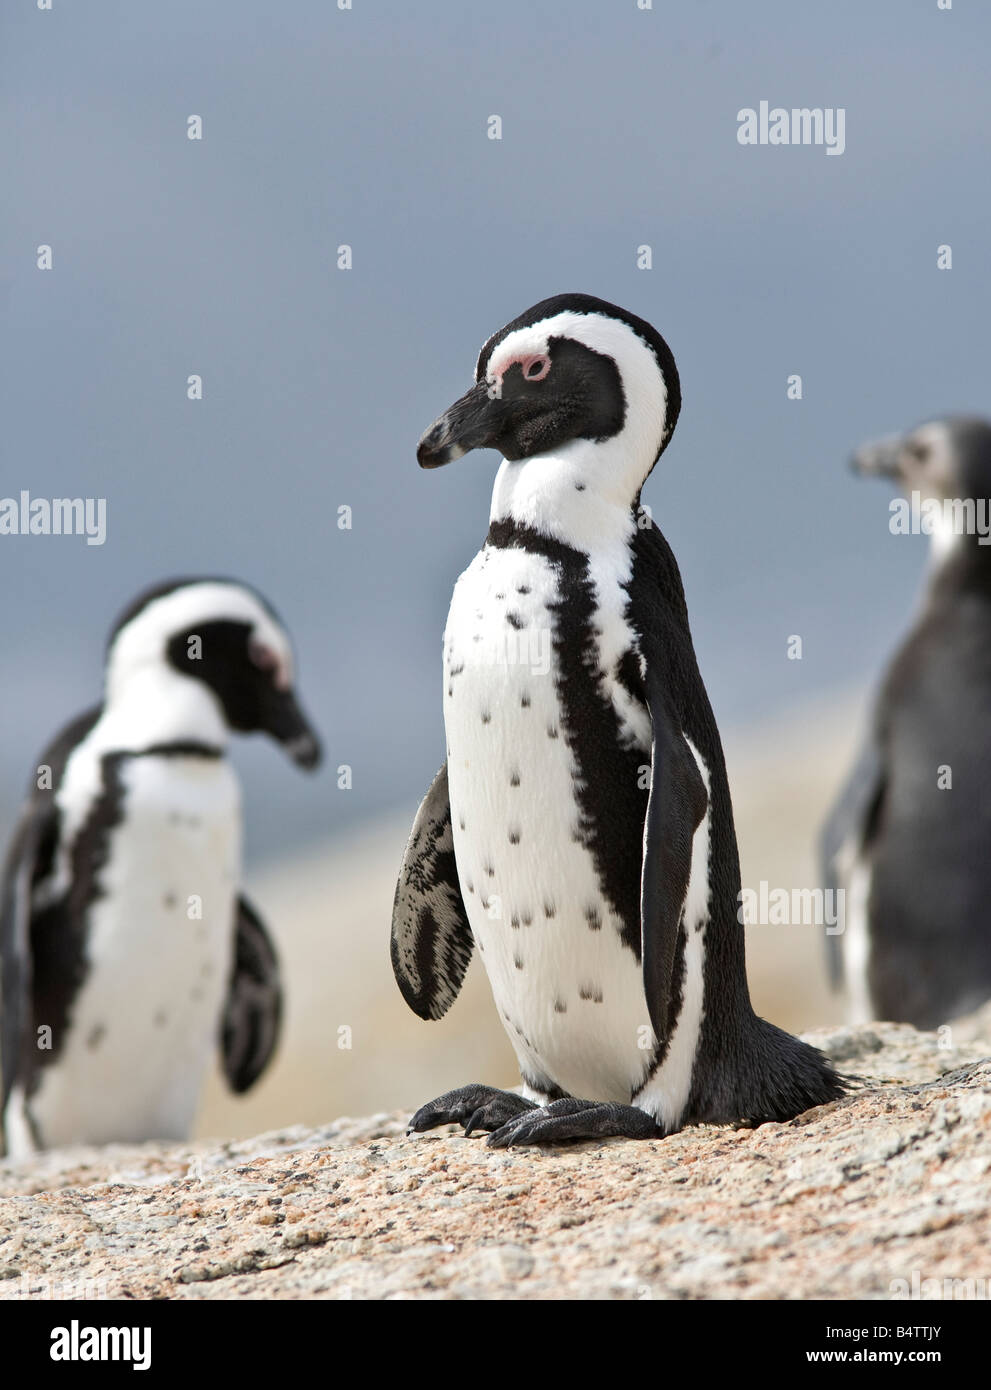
pixel 144 1026
pixel 570 994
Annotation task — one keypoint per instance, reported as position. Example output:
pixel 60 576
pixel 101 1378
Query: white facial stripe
pixel 524 342
pixel 936 474
pixel 935 434
pixel 643 382
pixel 141 642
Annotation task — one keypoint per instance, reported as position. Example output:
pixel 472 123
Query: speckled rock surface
pixel 839 1203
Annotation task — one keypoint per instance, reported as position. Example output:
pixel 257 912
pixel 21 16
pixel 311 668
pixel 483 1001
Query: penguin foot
pixel 575 1119
pixel 475 1107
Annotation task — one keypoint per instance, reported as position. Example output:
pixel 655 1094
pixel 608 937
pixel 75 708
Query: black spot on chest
pixel 610 800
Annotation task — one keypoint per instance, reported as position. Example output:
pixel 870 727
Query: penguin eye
pixel 261 656
pixel 536 368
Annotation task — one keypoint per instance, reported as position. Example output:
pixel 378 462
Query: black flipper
pixel 675 810
pixel 848 829
pixel 431 939
pixel 253 1011
pixel 16 973
pixel 28 864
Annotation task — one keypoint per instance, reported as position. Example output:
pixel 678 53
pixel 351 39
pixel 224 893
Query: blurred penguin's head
pixel 198 656
pixel 940 459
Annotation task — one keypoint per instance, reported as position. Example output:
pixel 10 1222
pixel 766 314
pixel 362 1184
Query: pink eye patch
pixel 533 365
pixel 266 659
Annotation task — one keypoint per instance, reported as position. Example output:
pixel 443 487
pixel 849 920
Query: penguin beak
pixel 287 724
pixel 881 459
pixel 476 421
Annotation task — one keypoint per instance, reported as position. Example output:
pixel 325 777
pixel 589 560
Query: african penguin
pixel 908 839
pixel 127 954
pixel 580 831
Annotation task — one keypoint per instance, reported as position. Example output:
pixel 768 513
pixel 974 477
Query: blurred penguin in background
pixel 128 955
pixel 910 838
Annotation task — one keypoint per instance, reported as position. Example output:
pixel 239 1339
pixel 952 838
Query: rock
pixel 847 1201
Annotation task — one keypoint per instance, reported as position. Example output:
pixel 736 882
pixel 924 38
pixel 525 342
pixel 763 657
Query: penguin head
pixel 940 459
pixel 945 464
pixel 198 658
pixel 575 394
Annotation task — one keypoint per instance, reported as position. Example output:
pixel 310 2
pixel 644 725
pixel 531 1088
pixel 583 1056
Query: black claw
pixel 427 1118
pixel 513 1121
pixel 570 1119
pixel 475 1107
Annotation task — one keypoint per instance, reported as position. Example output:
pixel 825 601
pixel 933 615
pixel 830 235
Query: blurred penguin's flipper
pixel 29 846
pixel 431 939
pixel 676 808
pixel 253 1011
pixel 15 951
pixel 848 830
pixel 28 870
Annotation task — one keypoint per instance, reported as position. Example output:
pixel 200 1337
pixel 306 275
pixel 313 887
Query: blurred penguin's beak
pixel 287 724
pixel 476 421
pixel 881 459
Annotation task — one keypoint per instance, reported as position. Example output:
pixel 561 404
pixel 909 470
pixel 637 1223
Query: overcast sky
pixel 369 127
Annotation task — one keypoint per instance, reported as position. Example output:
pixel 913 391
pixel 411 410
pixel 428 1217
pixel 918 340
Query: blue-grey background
pixel 368 127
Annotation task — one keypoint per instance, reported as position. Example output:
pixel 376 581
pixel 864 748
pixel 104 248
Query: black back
pixel 931 870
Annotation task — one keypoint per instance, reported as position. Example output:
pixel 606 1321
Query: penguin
pixel 128 954
pixel 907 841
pixel 580 831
